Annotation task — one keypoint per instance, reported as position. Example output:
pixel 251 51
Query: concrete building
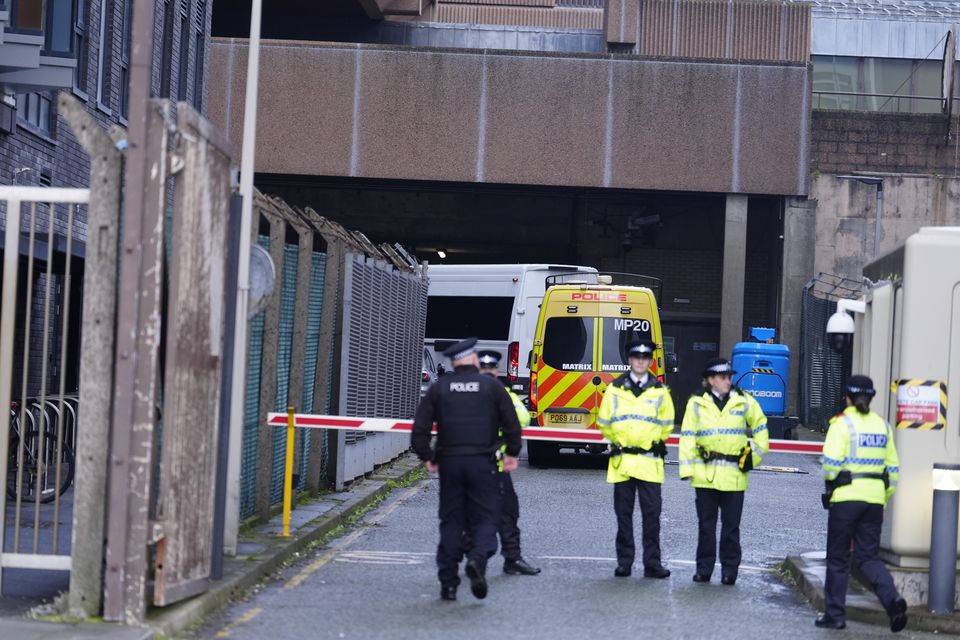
pixel 698 141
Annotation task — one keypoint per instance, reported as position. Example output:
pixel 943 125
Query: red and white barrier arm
pixel 588 436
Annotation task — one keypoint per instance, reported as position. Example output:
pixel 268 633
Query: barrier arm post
pixel 288 475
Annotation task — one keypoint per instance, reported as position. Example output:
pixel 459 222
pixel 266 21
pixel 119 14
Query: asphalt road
pixel 379 580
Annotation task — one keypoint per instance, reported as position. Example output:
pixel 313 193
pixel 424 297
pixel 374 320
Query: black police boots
pixel 448 592
pixel 701 577
pixel 622 572
pixel 898 615
pixel 728 580
pixel 478 583
pixel 824 621
pixel 519 568
pixel 656 572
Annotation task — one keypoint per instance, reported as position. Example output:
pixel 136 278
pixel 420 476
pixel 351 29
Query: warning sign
pixel 921 404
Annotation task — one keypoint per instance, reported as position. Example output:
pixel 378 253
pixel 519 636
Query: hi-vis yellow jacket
pixel 860 443
pixel 523 415
pixel 628 420
pixel 727 432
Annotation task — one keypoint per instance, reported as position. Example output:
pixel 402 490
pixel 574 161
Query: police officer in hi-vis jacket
pixel 636 416
pixel 860 468
pixel 723 436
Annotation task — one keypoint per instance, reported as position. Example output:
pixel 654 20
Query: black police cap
pixel 718 366
pixel 489 359
pixel 858 385
pixel 640 348
pixel 460 349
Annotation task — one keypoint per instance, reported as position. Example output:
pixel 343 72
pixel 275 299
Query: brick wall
pixel 845 141
pixel 31 157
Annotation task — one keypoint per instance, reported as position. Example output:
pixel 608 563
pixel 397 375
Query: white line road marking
pixel 381 557
pixel 743 567
pixel 346 541
pixel 413 557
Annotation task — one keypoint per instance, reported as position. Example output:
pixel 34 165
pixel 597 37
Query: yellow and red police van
pixel 584 324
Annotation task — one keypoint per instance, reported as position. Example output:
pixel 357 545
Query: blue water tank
pixel 762 371
pixel 763 334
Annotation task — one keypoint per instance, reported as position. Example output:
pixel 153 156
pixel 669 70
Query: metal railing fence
pixel 301 351
pixel 822 370
pixel 36 437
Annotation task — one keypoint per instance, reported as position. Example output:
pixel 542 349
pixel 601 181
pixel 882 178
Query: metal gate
pixel 822 370
pixel 37 415
pixel 384 315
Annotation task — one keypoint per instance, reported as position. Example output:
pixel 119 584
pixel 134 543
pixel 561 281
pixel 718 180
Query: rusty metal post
pixel 96 357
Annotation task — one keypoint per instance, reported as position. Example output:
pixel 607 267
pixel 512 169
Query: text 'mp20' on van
pixel 497 303
pixel 585 322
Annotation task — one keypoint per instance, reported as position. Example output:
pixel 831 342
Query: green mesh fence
pixel 288 307
pixel 251 410
pixel 314 306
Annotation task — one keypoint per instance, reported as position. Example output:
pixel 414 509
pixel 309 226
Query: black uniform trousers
pixel 508 529
pixel 509 514
pixel 729 506
pixel 625 493
pixel 469 498
pixel 860 522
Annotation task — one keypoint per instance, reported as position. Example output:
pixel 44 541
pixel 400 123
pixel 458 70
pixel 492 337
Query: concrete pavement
pixel 264 556
pixel 808 570
pixel 261 553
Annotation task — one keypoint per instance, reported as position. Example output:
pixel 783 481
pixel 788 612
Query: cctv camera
pixel 840 330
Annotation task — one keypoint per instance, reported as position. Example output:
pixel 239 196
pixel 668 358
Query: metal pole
pixel 226 384
pixel 876 227
pixel 942 588
pixel 11 262
pixel 288 474
pixel 232 515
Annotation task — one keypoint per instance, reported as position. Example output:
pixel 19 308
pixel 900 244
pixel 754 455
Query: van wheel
pixel 541 454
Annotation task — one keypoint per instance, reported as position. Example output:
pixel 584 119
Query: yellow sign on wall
pixel 921 404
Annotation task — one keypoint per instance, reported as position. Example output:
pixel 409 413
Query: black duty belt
pixel 873 476
pixel 708 455
pixel 657 449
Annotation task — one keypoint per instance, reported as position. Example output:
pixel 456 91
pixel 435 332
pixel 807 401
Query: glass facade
pixel 878 84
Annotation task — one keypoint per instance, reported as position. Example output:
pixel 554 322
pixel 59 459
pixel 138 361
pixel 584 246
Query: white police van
pixel 497 303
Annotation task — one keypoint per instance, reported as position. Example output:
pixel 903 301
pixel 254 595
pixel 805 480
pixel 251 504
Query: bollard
pixel 288 475
pixel 942 588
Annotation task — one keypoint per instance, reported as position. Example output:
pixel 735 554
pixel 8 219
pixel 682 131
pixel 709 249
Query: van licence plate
pixel 565 418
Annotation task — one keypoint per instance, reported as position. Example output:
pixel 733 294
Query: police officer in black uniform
pixel 471 410
pixel 513 562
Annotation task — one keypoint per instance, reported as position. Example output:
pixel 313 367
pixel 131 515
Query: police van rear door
pixel 626 319
pixel 566 396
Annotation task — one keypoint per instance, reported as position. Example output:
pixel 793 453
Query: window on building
pixel 80 45
pixel 182 76
pixel 877 84
pixel 125 58
pixel 34 109
pixel 28 15
pixel 166 54
pixel 58 35
pixel 200 20
pixel 103 54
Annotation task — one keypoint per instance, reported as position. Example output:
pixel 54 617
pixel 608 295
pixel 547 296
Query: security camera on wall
pixel 840 330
